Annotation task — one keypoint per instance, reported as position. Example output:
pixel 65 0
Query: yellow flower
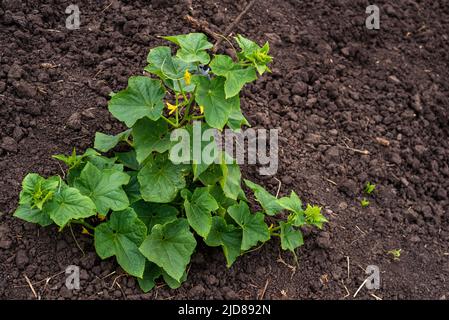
pixel 85 231
pixel 187 77
pixel 101 217
pixel 201 109
pixel 171 107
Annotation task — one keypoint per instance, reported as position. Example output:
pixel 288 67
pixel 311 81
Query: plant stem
pixel 170 122
pixel 84 224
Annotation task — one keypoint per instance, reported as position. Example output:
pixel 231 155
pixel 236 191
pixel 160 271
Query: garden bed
pixel 335 89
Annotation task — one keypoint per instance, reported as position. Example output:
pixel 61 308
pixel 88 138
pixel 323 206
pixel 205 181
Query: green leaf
pixel 154 213
pixel 150 136
pixel 193 46
pixel 211 175
pixel 293 204
pixel 314 216
pixel 104 142
pixel 196 145
pixel 170 247
pixel 160 180
pixel 142 98
pixel 210 94
pixel 164 65
pixel 268 202
pixel 33 215
pixel 224 202
pixel 227 236
pixel 231 180
pixel 69 204
pixel 198 209
pixel 253 53
pixel 132 189
pixel 128 159
pixel 236 76
pixel 102 162
pixel 253 225
pixel 120 237
pixel 71 161
pixel 236 118
pixel 151 273
pixel 290 238
pixel 172 283
pixel 104 187
pixel 36 190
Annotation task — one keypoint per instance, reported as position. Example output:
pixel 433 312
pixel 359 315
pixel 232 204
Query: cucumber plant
pixel 143 208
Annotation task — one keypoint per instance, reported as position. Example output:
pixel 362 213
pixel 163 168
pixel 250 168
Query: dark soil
pixel 335 88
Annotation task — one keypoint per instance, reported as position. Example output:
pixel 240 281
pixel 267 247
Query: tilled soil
pixel 335 89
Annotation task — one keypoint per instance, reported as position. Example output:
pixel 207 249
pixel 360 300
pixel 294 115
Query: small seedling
pixel 396 253
pixel 369 188
pixel 364 203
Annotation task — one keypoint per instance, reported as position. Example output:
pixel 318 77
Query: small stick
pixel 108 275
pixel 382 142
pixel 264 289
pixel 74 238
pixel 279 186
pixel 347 291
pixel 364 152
pixel 347 259
pixel 363 232
pixel 375 297
pixel 330 181
pixel 360 288
pixel 105 8
pixel 233 24
pixel 202 26
pixel 31 286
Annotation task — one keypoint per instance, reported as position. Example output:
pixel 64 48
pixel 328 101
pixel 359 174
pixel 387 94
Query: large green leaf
pixel 105 142
pixel 210 94
pixel 268 202
pixel 154 213
pixel 253 225
pixel 150 136
pixel 193 46
pixel 160 179
pixel 236 75
pixel 290 238
pixel 33 215
pixel 227 236
pixel 120 237
pixel 198 209
pixel 104 187
pixel 170 247
pixel 142 98
pixel 68 204
pixel 167 67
